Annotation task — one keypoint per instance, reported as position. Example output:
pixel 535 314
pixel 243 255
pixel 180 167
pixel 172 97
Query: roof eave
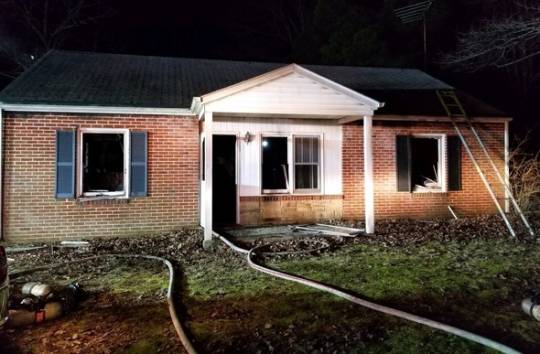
pixel 87 109
pixel 433 118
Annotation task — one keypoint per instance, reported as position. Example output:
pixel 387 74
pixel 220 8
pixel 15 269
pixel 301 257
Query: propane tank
pixel 18 318
pixel 36 289
pixel 531 306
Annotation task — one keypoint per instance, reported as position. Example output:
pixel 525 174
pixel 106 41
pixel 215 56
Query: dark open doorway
pixel 224 180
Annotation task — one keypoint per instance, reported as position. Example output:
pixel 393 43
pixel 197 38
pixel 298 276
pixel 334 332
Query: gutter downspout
pixel 1 174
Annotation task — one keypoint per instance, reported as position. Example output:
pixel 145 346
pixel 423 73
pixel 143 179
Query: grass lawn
pixel 475 284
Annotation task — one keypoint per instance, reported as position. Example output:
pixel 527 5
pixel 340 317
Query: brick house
pixel 103 145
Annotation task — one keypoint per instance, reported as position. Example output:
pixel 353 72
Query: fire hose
pixel 368 304
pixel 180 331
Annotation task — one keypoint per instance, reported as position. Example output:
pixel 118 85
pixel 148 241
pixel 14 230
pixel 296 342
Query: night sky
pixel 339 32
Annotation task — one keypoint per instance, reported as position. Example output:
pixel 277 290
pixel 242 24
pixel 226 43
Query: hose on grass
pixel 250 253
pixel 180 331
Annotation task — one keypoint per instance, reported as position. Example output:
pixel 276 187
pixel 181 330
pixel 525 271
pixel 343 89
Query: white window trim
pixel 289 156
pixel 442 165
pixel 127 153
pixel 319 165
pixel 290 162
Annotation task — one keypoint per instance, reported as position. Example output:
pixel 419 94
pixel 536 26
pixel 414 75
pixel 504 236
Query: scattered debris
pixel 109 326
pixel 38 303
pixel 330 230
pixel 74 244
pixel 452 212
pixel 531 306
pixel 36 289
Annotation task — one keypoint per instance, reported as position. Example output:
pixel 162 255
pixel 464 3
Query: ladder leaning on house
pixel 454 109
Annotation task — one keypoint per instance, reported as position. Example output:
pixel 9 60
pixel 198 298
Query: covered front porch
pixel 271 149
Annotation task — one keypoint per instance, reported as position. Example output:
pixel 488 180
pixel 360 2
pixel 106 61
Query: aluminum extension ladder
pixel 454 109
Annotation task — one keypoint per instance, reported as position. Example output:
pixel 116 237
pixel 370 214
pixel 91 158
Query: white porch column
pixel 369 205
pixel 208 153
pixel 506 167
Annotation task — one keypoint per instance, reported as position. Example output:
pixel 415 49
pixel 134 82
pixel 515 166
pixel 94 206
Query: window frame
pixel 319 165
pixel 80 165
pixel 441 165
pixel 291 164
pixel 276 191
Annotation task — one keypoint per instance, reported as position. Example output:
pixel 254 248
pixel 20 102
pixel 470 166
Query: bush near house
pixel 525 176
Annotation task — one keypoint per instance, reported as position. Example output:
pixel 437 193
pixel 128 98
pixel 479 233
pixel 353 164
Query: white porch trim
pixel 208 151
pixel 369 193
pixel 280 72
pixel 252 98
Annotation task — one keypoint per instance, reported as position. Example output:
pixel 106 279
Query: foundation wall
pixel 289 209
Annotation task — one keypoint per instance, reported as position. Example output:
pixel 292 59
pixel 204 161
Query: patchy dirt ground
pixel 466 272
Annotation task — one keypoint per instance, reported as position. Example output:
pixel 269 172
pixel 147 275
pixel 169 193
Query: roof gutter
pixel 46 108
pixel 442 119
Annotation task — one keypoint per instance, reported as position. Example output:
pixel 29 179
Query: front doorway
pixel 224 180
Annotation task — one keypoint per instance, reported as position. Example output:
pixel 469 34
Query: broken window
pixel 426 164
pixel 275 168
pixel 306 163
pixel 103 164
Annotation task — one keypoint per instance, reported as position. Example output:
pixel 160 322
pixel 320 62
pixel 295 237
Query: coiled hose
pixel 371 305
pixel 172 308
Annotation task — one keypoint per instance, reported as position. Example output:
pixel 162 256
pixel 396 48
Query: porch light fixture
pixel 265 143
pixel 248 137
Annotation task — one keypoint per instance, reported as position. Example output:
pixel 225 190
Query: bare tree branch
pixel 44 25
pixel 285 20
pixel 498 43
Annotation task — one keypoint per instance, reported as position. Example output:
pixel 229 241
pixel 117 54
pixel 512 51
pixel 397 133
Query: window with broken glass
pixel 426 164
pixel 104 164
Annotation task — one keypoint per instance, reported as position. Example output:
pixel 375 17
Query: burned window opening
pixel 275 167
pixel 425 164
pixel 103 164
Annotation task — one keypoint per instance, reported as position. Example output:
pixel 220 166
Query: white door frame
pixel 236 167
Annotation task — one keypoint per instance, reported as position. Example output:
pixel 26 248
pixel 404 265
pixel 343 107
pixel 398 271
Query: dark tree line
pixel 490 47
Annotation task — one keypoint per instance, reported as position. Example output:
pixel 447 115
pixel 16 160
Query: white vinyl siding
pixel 249 158
pixel 292 94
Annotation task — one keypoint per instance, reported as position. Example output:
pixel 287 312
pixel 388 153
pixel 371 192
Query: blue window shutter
pixel 403 157
pixel 139 164
pixel 454 163
pixel 65 164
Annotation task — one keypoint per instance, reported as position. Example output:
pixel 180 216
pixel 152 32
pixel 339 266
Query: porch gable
pixel 290 91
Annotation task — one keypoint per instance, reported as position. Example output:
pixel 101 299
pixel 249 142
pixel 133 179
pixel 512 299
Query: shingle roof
pixel 97 79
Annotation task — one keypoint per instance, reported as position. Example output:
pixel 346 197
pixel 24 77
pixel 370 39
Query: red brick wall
pixel 389 203
pixel 31 211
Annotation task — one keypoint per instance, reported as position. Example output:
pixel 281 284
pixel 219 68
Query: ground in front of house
pixel 466 273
